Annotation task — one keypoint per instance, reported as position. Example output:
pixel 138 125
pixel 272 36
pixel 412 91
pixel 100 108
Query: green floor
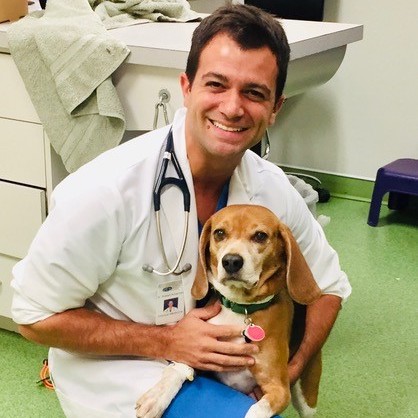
pixel 370 361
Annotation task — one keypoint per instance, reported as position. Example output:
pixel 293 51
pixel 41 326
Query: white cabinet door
pixel 22 153
pixel 15 102
pixel 22 211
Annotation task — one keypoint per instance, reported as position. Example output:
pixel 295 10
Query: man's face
pixel 232 99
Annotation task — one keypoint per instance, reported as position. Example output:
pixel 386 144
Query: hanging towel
pixel 66 58
pixel 117 13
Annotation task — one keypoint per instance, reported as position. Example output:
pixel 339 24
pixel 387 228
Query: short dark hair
pixel 251 28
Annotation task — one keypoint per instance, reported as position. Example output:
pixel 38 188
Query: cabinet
pixel 29 169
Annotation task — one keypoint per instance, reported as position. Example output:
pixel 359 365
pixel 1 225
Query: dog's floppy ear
pixel 301 284
pixel 200 285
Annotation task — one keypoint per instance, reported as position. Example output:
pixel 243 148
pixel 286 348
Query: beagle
pixel 254 265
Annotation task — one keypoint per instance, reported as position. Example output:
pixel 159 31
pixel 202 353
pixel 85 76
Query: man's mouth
pixel 227 128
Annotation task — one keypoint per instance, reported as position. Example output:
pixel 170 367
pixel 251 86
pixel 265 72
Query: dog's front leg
pixel 155 401
pixel 275 400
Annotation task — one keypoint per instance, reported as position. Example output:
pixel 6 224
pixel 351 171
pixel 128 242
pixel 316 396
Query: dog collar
pixel 243 308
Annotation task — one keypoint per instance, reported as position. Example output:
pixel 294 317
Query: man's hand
pixel 205 346
pixel 295 369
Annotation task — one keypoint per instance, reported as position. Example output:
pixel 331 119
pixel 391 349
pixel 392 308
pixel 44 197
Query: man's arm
pixel 192 340
pixel 320 318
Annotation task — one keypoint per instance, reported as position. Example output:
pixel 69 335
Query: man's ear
pixel 185 87
pixel 276 109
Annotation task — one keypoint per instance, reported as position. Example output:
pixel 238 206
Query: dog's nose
pixel 232 263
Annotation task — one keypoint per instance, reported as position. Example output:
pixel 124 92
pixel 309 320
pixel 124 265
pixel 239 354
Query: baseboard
pixel 8 324
pixel 337 185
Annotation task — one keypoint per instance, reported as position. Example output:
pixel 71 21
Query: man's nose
pixel 232 104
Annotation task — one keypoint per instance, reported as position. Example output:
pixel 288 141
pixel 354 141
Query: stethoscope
pixel 161 182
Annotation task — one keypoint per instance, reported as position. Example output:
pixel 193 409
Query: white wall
pixel 367 114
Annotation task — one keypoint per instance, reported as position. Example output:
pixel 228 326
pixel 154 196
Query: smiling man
pixel 230 102
pixel 94 282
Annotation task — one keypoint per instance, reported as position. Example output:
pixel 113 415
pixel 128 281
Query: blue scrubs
pixel 205 397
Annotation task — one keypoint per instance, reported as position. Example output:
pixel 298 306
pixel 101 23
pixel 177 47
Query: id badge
pixel 170 302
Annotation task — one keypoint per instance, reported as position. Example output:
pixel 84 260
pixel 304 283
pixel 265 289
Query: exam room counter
pixel 29 167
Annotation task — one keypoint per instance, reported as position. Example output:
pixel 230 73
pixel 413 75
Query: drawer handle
pixel 164 97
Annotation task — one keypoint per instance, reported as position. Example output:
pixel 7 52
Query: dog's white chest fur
pixel 242 380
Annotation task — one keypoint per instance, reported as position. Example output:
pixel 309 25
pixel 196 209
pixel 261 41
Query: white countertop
pixel 167 44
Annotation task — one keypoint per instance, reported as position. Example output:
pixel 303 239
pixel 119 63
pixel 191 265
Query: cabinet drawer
pixel 22 211
pixel 22 152
pixel 6 293
pixel 138 87
pixel 15 102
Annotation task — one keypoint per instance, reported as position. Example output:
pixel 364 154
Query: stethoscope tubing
pixel 161 182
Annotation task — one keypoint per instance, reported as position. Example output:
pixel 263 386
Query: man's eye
pixel 260 237
pixel 214 84
pixel 256 95
pixel 219 234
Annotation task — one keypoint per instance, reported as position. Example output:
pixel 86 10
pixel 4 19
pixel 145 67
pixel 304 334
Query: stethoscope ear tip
pixel 147 268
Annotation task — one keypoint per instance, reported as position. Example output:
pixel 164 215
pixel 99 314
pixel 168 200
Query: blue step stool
pixel 398 178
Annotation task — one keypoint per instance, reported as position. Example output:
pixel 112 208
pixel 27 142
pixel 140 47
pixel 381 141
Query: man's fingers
pixel 234 349
pixel 207 312
pixel 221 362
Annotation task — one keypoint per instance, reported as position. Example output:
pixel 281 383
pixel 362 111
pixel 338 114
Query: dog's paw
pixel 261 409
pixel 151 404
pixel 155 401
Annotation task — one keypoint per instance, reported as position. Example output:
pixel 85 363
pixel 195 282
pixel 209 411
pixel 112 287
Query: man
pixel 86 288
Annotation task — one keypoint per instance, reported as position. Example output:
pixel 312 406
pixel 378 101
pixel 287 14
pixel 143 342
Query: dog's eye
pixel 260 237
pixel 219 234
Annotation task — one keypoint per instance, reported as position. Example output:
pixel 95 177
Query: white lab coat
pixel 100 233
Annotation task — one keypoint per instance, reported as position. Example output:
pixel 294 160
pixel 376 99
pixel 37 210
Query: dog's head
pixel 247 254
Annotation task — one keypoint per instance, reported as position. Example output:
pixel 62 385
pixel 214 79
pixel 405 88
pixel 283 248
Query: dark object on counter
pixel 292 9
pixel 42 3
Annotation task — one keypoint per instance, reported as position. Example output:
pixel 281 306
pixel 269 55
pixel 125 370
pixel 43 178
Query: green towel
pixel 66 58
pixel 117 13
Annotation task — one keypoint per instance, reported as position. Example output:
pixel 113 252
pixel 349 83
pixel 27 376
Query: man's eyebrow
pixel 219 76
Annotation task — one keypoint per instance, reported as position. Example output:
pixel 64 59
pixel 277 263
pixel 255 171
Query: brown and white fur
pixel 249 256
